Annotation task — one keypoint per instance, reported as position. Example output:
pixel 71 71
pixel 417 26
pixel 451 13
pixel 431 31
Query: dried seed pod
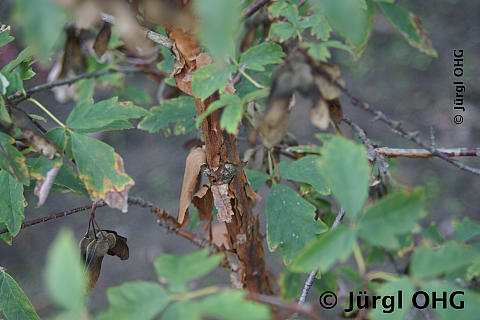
pixel 95 252
pixel 120 249
pixel 319 114
pixel 101 41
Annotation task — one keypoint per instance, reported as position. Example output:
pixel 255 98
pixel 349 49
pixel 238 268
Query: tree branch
pixel 397 127
pixel 17 97
pixel 254 7
pixel 422 153
pixel 149 34
pixel 163 219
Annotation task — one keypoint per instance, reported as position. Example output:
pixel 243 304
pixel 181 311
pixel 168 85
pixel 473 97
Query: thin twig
pixel 19 96
pixel 163 219
pixel 397 126
pixel 254 7
pixel 307 309
pixel 422 153
pixel 311 277
pixel 152 35
pixel 372 154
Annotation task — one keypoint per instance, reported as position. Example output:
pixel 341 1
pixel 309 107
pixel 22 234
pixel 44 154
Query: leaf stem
pixel 255 83
pixel 195 294
pixel 359 259
pixel 46 111
pixel 380 275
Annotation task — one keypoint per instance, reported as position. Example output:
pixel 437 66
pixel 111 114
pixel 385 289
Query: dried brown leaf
pixel 193 165
pixel 100 45
pixel 203 201
pixel 41 145
pixel 319 115
pixel 275 122
pixel 42 187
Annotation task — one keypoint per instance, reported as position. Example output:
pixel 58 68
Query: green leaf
pixel 291 285
pixel 392 215
pixel 88 115
pixel 391 288
pixel 14 303
pixel 231 117
pixel 67 180
pixel 11 202
pixel 208 79
pixel 471 300
pixel 5 36
pixel 318 51
pixel 166 64
pixel 320 26
pixel 290 221
pixel 181 109
pixel 473 271
pixel 224 100
pixel 219 21
pixel 466 230
pixel 349 273
pixel 11 160
pixel 64 273
pixel 135 94
pixel 345 168
pixel 177 270
pixel 256 178
pixel 24 56
pixel 262 54
pixel 410 27
pixel 57 136
pixel 7 237
pixel 38 167
pixel 112 126
pixel 335 245
pixel 85 90
pixel 135 300
pixel 284 30
pixel 41 23
pixel 352 19
pixel 4 116
pixel 432 233
pixel 306 169
pixel 218 306
pixel 101 170
pixel 429 262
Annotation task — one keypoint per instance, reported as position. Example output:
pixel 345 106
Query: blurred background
pixel 392 76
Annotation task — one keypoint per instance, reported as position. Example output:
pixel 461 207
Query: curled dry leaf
pixel 329 90
pixel 193 164
pixel 319 114
pixel 43 186
pixel 117 198
pixel 94 254
pixel 117 245
pixel 222 201
pixel 276 120
pixel 100 45
pixel 203 201
pixel 41 145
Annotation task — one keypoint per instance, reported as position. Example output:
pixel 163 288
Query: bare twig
pixel 307 309
pixel 163 219
pixel 21 96
pixel 311 277
pixel 254 7
pixel 155 37
pixel 397 127
pixel 422 153
pixel 372 154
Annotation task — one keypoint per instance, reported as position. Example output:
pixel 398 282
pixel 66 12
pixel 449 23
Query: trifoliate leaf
pixel 306 169
pixel 177 110
pixel 392 215
pixel 260 55
pixel 335 245
pixel 177 270
pixel 88 115
pixel 290 221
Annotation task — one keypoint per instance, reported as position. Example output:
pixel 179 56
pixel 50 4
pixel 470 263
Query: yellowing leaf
pixel 101 170
pixel 11 160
